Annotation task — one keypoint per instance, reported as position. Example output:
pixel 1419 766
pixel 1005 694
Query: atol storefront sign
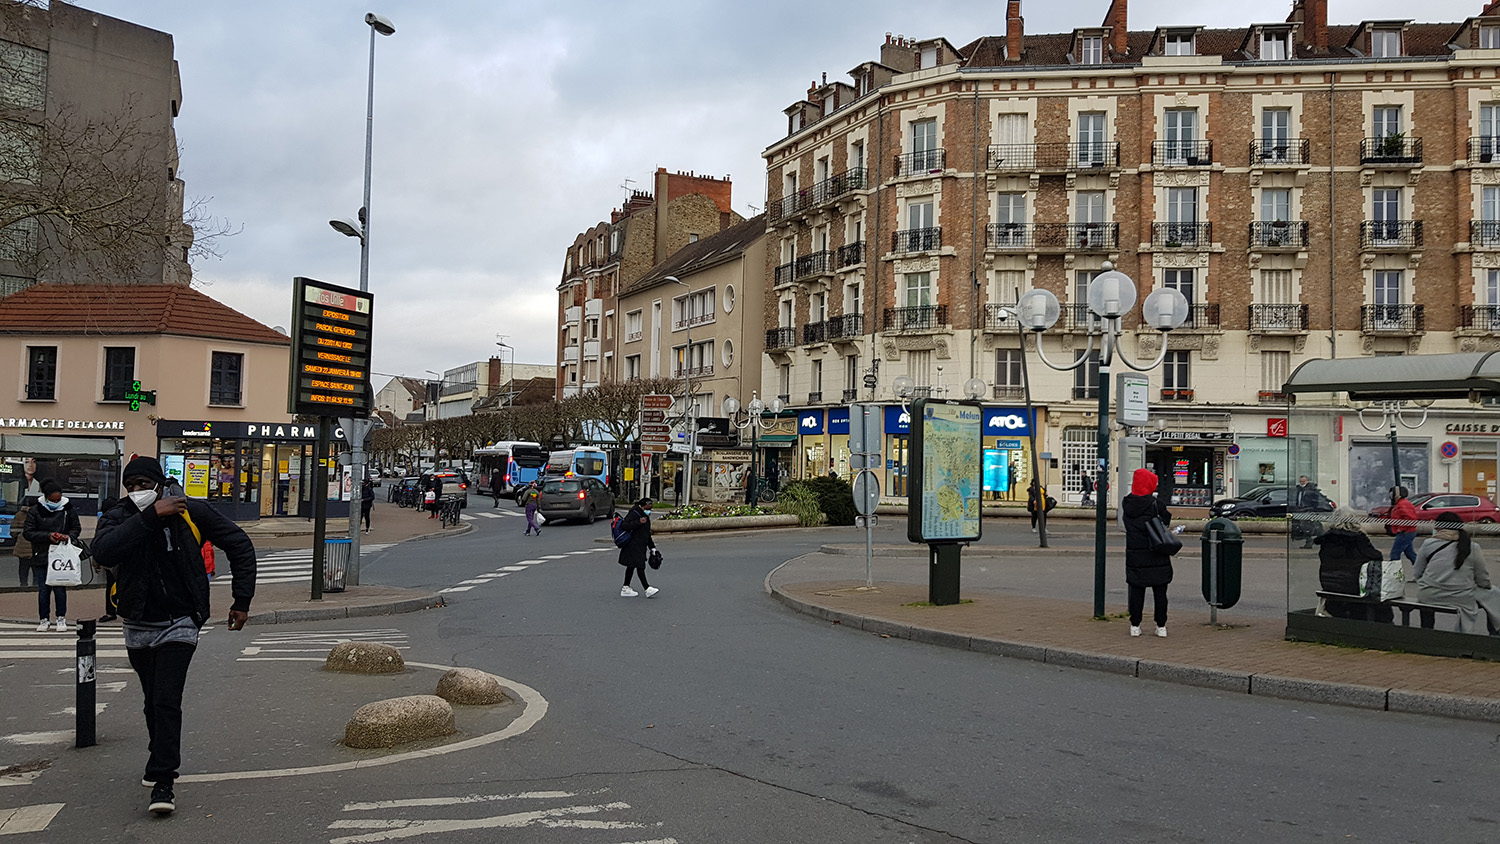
pixel 1007 422
pixel 810 422
pixel 897 420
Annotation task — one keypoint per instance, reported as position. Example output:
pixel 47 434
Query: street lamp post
pixel 1393 414
pixel 754 420
pixel 688 414
pixel 1111 295
pixel 510 387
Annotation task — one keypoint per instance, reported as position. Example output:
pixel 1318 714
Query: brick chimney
pixel 1491 8
pixel 1014 34
pixel 1117 20
pixel 1314 24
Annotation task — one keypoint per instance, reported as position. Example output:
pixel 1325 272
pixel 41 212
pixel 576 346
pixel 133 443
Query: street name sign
pixel 653 417
pixel 330 350
pixel 656 401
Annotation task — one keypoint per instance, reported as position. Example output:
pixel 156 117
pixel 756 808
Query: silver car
pixel 585 499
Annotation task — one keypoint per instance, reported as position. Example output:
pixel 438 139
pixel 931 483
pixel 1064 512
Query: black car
pixel 1266 502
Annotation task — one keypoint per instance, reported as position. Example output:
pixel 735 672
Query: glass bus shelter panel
pixel 1314 441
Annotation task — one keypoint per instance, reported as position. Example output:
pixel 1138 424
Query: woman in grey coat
pixel 1450 571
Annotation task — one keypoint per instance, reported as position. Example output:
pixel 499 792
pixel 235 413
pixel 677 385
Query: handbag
pixel 64 565
pixel 1162 541
pixel 653 559
pixel 1382 578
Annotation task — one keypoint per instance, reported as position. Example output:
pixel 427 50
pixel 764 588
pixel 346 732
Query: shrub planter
pixel 722 523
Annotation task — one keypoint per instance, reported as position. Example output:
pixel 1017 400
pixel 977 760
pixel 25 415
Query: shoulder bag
pixel 1162 540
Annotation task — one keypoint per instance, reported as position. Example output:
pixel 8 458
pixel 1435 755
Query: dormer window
pixel 1489 37
pixel 1091 49
pixel 796 121
pixel 929 58
pixel 1178 44
pixel 1385 43
pixel 1274 46
pixel 828 104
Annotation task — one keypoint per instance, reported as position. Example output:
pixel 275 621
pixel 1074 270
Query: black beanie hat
pixel 145 467
pixel 50 486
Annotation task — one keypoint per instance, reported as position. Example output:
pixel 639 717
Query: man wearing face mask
pixel 637 523
pixel 153 546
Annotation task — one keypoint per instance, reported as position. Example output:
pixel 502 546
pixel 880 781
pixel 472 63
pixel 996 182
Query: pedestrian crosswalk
pixel 519 565
pixel 294 566
pixel 535 812
pixel 22 641
pixel 295 645
pixel 491 514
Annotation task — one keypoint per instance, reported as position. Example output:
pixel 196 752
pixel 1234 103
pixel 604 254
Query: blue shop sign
pixel 838 420
pixel 810 422
pixel 1006 443
pixel 897 420
pixel 1007 421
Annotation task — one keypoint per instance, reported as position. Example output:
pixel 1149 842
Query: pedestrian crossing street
pixel 294 566
pixel 273 645
pixel 520 565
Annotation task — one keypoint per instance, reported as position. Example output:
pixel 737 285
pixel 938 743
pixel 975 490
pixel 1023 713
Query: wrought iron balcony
pixel 1289 152
pixel 1077 317
pixel 781 338
pixel 997 316
pixel 1009 391
pixel 851 253
pixel 788 205
pixel 834 187
pixel 814 332
pixel 918 163
pixel 917 240
pixel 815 397
pixel 1479 317
pixel 850 394
pixel 1065 237
pixel 1168 394
pixel 1279 234
pixel 1055 157
pixel 1182 153
pixel 1484 150
pixel 1271 397
pixel 784 272
pixel 786 399
pixel 1484 232
pixel 1278 317
pixel 1391 151
pixel 1182 235
pixel 916 318
pixel 1202 315
pixel 813 264
pixel 1390 234
pixel 848 325
pixel 1391 319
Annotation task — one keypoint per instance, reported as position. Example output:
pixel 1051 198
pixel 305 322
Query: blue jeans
pixel 44 594
pixel 1403 545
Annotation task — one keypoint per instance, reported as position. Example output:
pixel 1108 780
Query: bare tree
pixel 615 406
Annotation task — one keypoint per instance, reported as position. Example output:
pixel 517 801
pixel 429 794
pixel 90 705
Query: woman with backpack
pixel 1450 571
pixel 531 497
pixel 633 535
pixel 1145 565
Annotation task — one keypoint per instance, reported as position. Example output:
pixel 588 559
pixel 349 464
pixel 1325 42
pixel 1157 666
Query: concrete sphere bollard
pixel 470 687
pixel 386 723
pixel 364 658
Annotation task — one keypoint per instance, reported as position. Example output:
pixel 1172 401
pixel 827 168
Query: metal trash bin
pixel 335 563
pixel 1223 562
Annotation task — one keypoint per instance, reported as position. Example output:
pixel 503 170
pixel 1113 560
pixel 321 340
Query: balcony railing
pixel 917 240
pixel 1076 317
pixel 1393 319
pixel 633 336
pixel 850 394
pixel 1202 315
pixel 834 187
pixel 786 398
pixel 1089 392
pixel 1271 397
pixel 784 273
pixel 1182 235
pixel 1484 150
pixel 1009 391
pixel 815 397
pixel 1480 317
pixel 781 338
pixel 1390 234
pixel 1071 237
pixel 851 253
pixel 694 371
pixel 848 325
pixel 1054 156
pixel 788 205
pixel 813 264
pixel 1289 152
pixel 814 332
pixel 1168 394
pixel 1278 317
pixel 997 316
pixel 1182 153
pixel 917 163
pixel 1391 150
pixel 1484 232
pixel 1279 234
pixel 916 318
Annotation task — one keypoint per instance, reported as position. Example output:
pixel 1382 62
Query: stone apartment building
pixel 680 209
pixel 73 81
pixel 1314 190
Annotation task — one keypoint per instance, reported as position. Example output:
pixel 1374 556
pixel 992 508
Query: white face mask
pixel 143 498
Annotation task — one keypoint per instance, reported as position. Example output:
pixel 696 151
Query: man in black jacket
pixel 153 546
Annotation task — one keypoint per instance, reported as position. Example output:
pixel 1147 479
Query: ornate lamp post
pixel 754 420
pixel 1393 414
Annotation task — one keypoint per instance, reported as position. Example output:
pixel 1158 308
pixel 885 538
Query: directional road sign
pixel 656 401
pixel 653 417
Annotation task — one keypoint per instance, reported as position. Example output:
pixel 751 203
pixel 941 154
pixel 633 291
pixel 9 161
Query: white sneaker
pixel 42 627
pixel 1134 630
pixel 627 592
pixel 1161 632
pixel 651 591
pixel 62 624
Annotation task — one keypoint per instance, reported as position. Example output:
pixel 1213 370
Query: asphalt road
pixel 713 714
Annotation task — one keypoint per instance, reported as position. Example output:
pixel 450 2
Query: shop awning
pixel 1401 376
pixel 43 445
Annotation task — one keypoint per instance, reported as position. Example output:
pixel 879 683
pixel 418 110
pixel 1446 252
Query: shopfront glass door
pixel 898 458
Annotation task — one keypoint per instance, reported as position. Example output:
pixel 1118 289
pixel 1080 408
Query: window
pixel 1182 215
pixel 1091 151
pixel 852 297
pixel 25 73
pixel 1174 372
pixel 1489 38
pixel 692 237
pixel 1178 44
pixel 1183 281
pixel 1385 121
pixel 18 240
pixel 851 373
pixel 817 376
pixel 1273 46
pixel 1492 288
pixel 1006 286
pixel 821 169
pixel 1091 49
pixel 616 240
pixel 632 367
pixel 1276 287
pixel 694 308
pixel 1276 205
pixel 1388 287
pixel 817 307
pixel 1386 203
pixel 633 326
pixel 591 329
pixel 924 146
pixel 41 373
pixel 119 371
pixel 1008 371
pixel 1275 133
pixel 1275 368
pixel 929 58
pixel 1086 379
pixel 784 378
pixel 1489 126
pixel 1181 134
pixel 224 379
pixel 918 291
pixel 795 121
pixel 20 152
pixel 1010 217
pixel 857 155
pixel 785 316
pixel 828 101
pixel 1385 43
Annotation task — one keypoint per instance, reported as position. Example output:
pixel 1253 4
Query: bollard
pixel 83 699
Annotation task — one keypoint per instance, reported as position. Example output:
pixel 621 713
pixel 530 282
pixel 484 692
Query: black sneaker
pixel 162 803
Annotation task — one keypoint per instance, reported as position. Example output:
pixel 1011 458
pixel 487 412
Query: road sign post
pixel 864 448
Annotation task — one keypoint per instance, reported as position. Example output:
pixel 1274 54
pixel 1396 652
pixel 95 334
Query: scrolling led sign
pixel 330 350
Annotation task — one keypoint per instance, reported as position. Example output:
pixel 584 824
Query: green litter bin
pixel 1223 562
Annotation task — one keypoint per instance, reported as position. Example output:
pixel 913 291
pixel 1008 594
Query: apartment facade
pixel 1314 190
pixel 682 208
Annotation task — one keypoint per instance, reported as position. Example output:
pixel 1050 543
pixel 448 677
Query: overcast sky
pixel 504 128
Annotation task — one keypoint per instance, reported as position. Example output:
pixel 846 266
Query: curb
pixel 1264 685
pixel 292 616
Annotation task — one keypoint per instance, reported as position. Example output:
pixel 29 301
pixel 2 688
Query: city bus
pixel 519 463
pixel 583 462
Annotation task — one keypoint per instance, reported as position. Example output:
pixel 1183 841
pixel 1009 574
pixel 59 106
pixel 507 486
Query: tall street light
pixel 687 375
pixel 510 386
pixel 1111 295
pixel 754 420
pixel 355 430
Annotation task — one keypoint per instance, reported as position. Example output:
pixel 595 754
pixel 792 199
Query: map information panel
pixel 947 471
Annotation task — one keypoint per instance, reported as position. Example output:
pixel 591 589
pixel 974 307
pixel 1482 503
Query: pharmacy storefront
pixel 82 455
pixel 251 470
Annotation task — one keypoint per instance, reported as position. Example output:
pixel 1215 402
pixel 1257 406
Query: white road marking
pixel 48 737
pixel 555 557
pixel 529 562
pixel 474 582
pixel 28 818
pixel 19 779
pixel 456 801
pixel 551 818
pixel 69 654
pixel 491 515
pixel 513 568
pixel 455 589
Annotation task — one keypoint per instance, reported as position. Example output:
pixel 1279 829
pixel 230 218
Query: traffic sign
pixel 653 448
pixel 656 432
pixel 866 493
pixel 652 417
pixel 1450 450
pixel 656 401
pixel 330 356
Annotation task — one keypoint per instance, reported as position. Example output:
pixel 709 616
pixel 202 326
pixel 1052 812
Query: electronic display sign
pixel 330 350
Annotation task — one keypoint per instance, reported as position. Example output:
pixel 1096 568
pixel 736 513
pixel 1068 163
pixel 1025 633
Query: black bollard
pixel 83 700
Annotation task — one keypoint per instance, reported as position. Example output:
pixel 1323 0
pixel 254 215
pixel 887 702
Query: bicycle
pixel 449 513
pixel 764 492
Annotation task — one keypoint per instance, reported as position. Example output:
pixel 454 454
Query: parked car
pixel 1470 508
pixel 585 499
pixel 1266 502
pixel 455 482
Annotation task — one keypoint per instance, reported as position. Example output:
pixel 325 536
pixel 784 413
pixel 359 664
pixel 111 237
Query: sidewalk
pixel 1244 653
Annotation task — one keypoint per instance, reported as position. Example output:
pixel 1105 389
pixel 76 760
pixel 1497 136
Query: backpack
pixel 621 536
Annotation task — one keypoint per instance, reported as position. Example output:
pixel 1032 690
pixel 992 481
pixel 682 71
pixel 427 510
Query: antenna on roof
pixel 754 209
pixel 625 186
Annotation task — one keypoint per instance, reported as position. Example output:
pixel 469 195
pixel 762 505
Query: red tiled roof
pixel 128 309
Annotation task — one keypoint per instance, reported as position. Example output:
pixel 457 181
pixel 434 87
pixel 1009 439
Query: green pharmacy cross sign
pixel 136 395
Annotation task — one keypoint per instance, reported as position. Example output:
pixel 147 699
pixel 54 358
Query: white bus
pixel 518 463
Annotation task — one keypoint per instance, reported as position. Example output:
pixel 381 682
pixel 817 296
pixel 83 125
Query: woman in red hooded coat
pixel 1143 566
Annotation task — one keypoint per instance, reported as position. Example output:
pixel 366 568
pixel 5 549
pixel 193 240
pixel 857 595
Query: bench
pixel 1406 607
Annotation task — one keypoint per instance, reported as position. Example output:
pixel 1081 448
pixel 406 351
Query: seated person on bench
pixel 1450 571
pixel 1342 549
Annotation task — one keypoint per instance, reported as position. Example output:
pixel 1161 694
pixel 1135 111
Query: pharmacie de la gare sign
pixel 62 424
